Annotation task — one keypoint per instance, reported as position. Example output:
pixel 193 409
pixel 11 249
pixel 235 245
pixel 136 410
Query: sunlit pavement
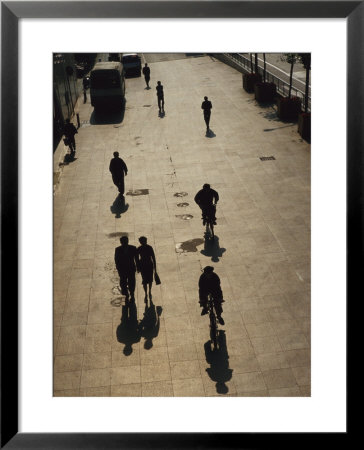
pixel 261 251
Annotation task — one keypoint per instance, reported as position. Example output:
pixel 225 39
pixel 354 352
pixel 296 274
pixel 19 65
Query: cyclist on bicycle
pixel 209 284
pixel 207 199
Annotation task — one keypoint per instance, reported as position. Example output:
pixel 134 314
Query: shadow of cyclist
pixel 212 248
pixel 219 362
pixel 119 206
pixel 128 330
pixel 149 325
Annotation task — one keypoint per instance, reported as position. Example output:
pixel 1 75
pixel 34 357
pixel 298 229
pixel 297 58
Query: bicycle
pixel 213 321
pixel 209 219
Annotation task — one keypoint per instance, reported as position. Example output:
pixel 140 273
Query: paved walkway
pixel 262 250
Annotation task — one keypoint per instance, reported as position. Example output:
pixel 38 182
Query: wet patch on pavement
pixel 117 234
pixel 116 290
pixel 180 194
pixel 136 192
pixel 189 246
pixel 117 302
pixel 184 216
pixel 182 205
pixel 109 266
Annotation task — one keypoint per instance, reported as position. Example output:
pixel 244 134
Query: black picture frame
pixel 11 12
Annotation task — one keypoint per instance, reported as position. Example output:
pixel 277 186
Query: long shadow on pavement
pixel 218 359
pixel 128 331
pixel 149 325
pixel 119 206
pixel 212 248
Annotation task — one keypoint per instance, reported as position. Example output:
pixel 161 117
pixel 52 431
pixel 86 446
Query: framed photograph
pixel 271 359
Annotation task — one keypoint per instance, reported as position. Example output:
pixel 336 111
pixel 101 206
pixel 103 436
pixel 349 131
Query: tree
pixel 290 58
pixel 305 59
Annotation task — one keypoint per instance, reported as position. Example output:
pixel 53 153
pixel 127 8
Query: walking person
pixel 126 265
pixel 85 83
pixel 147 265
pixel 209 284
pixel 69 131
pixel 118 170
pixel 146 73
pixel 160 95
pixel 207 106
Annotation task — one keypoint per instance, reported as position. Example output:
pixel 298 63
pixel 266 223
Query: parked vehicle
pixel 114 57
pixel 107 84
pixel 132 64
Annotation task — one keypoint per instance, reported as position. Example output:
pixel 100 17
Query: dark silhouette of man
pixel 69 131
pixel 118 170
pixel 126 265
pixel 160 95
pixel 146 73
pixel 206 106
pixel 209 284
pixel 207 199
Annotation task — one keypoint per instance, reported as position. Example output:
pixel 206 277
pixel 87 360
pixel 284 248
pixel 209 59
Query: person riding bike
pixel 209 284
pixel 207 199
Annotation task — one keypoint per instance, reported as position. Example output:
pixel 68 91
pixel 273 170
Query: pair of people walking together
pixel 129 260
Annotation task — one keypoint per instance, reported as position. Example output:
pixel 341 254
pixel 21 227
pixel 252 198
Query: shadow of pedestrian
pixel 219 362
pixel 119 206
pixel 212 248
pixel 149 325
pixel 210 133
pixel 68 158
pixel 128 331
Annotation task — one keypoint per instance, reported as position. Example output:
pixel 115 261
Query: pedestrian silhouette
pixel 146 73
pixel 126 265
pixel 118 170
pixel 160 96
pixel 69 131
pixel 147 265
pixel 128 330
pixel 149 325
pixel 207 106
pixel 219 362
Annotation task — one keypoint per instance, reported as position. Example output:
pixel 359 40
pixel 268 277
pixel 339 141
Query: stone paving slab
pixel 261 251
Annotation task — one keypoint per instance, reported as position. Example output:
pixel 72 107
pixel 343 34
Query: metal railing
pixel 282 86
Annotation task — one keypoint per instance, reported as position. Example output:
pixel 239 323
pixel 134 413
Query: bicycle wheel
pixel 212 229
pixel 213 329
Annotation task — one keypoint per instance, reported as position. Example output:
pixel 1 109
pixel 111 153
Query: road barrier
pixel 243 64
